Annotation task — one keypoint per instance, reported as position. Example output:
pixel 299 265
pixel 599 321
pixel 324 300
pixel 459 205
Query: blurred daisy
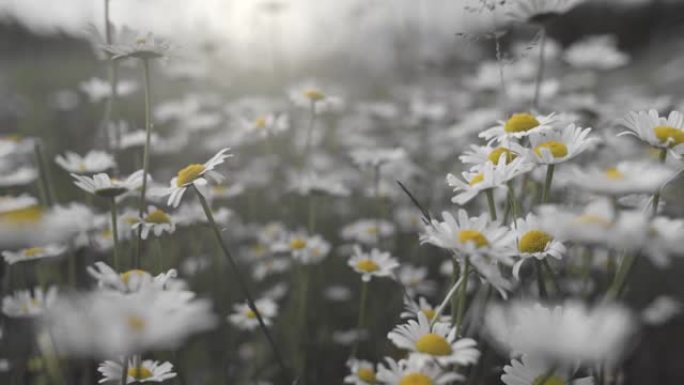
pixel 373 264
pixel 413 308
pixel 661 310
pixel 10 203
pixel 98 89
pixel 376 157
pixel 134 45
pixel 270 266
pixel 226 191
pixel 518 126
pixel 93 162
pixel 316 184
pixel 156 221
pixel 538 11
pixel 27 304
pixel 530 371
pixel 20 176
pixel 196 174
pixel 266 125
pixel 484 177
pixel 437 342
pixel 556 146
pixel 361 372
pixel 666 133
pixel 244 318
pixel 104 186
pixel 479 155
pixel 415 371
pixel 624 178
pixel 130 281
pixel 596 52
pixel 367 231
pixel 304 249
pixel 415 280
pixel 144 371
pixel 565 334
pixel 307 94
pixel 533 242
pixel 33 253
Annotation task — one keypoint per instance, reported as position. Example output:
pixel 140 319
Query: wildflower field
pixel 490 201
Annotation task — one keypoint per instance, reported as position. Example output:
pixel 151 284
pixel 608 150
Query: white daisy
pixel 27 304
pixel 519 126
pixel 20 176
pixel 196 174
pixel 373 264
pixel 303 248
pixel 10 203
pixel 415 371
pixel 99 89
pixel 33 253
pixel 666 133
pixel 104 186
pixel 266 125
pixel 533 242
pixel 367 231
pixel 93 162
pixel 413 308
pixel 144 371
pixel 596 52
pixel 415 280
pixel 361 372
pixel 437 342
pixel 661 310
pixel 530 371
pixel 130 281
pixel 270 266
pixel 486 176
pixel 556 146
pixel 244 318
pixel 226 191
pixel 134 45
pixel 156 221
pixel 376 157
pixel 625 178
pixel 479 155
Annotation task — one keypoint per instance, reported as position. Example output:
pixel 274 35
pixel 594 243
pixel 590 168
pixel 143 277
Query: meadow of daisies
pixel 493 226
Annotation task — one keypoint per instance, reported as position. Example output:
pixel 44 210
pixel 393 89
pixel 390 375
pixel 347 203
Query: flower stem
pixel 541 284
pixel 115 232
pixel 621 275
pixel 454 279
pixel 547 183
pixel 491 204
pixel 146 157
pixel 462 296
pixel 240 280
pixel 360 325
pixel 656 195
pixel 44 180
pixel 124 372
pixel 309 132
pixel 540 68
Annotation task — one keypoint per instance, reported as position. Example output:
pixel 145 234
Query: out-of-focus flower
pixel 361 372
pixel 93 162
pixel 373 264
pixel 244 318
pixel 376 157
pixel 21 176
pixel 144 371
pixel 367 231
pixel 538 11
pixel 305 249
pixel 156 221
pixel 661 310
pixel 624 178
pixel 33 253
pixel 25 304
pixel 98 89
pixel 413 308
pixel 134 45
pixel 36 226
pixel 106 187
pixel 485 177
pixel 597 52
pixel 131 281
pixel 415 280
pixel 530 371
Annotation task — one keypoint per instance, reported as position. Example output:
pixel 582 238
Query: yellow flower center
pixel 433 344
pixel 592 219
pixel 478 178
pixel 260 122
pixel 157 217
pixel 558 149
pixel 373 230
pixel 429 313
pixel 136 323
pixel 107 234
pixel 140 41
pixel 367 265
pixel 34 251
pixel 189 174
pixel 473 236
pixel 250 314
pixel 126 277
pixel 550 380
pixel 534 241
pixel 139 373
pixel 415 379
pixel 669 135
pixel 521 123
pixel 613 173
pixel 23 216
pixel 366 375
pixel 297 244
pixel 314 95
pixel 496 153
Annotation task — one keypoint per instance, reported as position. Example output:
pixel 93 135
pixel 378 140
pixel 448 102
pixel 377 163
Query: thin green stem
pixel 124 372
pixel 115 232
pixel 540 68
pixel 462 296
pixel 547 183
pixel 513 200
pixel 240 280
pixel 656 195
pixel 311 225
pixel 541 282
pixel 454 279
pixel 146 157
pixel 361 323
pixel 491 204
pixel 554 280
pixel 43 172
pixel 309 133
pixel 620 278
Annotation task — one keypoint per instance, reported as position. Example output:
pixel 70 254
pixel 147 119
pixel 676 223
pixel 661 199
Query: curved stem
pixel 146 157
pixel 462 296
pixel 115 232
pixel 621 275
pixel 540 69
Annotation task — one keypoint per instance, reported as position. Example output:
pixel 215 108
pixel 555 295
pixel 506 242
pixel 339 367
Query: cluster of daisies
pixel 299 232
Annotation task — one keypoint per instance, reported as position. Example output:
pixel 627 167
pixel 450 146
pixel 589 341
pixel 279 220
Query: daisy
pixel 270 267
pixel 597 52
pixel 416 372
pixel 266 125
pixel 413 308
pixel 33 253
pixel 130 281
pixel 565 334
pixel 303 248
pixel 367 231
pixel 437 342
pixel 156 221
pixel 479 155
pixel 307 94
pixel 25 304
pixel 533 242
pixel 196 174
pixel 312 183
pixel 373 264
pixel 104 186
pixel 144 371
pixel 136 139
pixel 375 157
pixel 361 372
pixel 556 146
pixel 519 126
pixel 226 191
pixel 661 310
pixel 134 45
pixel 99 89
pixel 666 133
pixel 21 176
pixel 415 280
pixel 625 178
pixel 93 162
pixel 244 318
pixel 530 371
pixel 485 177
pixel 10 203
pixel 538 11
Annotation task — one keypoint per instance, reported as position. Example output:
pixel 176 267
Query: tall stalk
pixel 361 323
pixel 547 183
pixel 491 204
pixel 540 68
pixel 115 232
pixel 462 296
pixel 146 157
pixel 656 196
